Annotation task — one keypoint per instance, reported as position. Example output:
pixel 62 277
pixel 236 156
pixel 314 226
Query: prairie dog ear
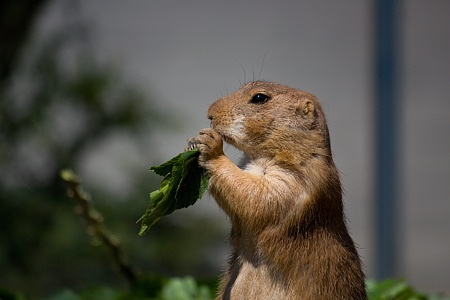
pixel 307 110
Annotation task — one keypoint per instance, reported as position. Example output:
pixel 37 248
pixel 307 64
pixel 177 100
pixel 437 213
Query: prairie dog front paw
pixel 209 143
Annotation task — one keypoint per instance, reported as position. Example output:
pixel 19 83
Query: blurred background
pixel 110 88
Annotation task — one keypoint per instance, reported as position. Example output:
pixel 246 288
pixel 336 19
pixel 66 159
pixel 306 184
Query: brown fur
pixel 289 238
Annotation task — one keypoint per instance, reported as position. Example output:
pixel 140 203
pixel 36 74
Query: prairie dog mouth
pixel 227 139
pixel 232 142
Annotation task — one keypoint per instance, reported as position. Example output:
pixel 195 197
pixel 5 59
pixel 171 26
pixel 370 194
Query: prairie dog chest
pixel 262 167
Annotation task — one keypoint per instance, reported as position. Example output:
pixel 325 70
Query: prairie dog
pixel 289 238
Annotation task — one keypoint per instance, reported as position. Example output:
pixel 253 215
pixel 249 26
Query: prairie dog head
pixel 270 119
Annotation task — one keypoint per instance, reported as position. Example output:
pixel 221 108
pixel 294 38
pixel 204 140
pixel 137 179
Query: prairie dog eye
pixel 259 98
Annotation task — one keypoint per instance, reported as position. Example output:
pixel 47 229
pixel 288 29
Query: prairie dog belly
pixel 268 289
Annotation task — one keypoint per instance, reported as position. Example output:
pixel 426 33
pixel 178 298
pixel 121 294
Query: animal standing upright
pixel 289 237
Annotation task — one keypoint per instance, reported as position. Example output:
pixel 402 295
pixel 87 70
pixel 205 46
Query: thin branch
pixel 95 224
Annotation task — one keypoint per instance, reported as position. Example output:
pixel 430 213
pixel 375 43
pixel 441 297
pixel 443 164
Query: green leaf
pixel 184 289
pixel 183 184
pixel 391 289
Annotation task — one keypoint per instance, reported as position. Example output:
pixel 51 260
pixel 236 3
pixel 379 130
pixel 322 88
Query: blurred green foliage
pixel 58 105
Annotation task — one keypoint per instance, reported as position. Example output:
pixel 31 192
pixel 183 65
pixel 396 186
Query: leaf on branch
pixel 183 184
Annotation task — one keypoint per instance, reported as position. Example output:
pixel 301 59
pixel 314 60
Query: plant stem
pixel 95 224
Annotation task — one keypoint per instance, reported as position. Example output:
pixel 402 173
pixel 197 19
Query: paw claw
pixel 192 144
